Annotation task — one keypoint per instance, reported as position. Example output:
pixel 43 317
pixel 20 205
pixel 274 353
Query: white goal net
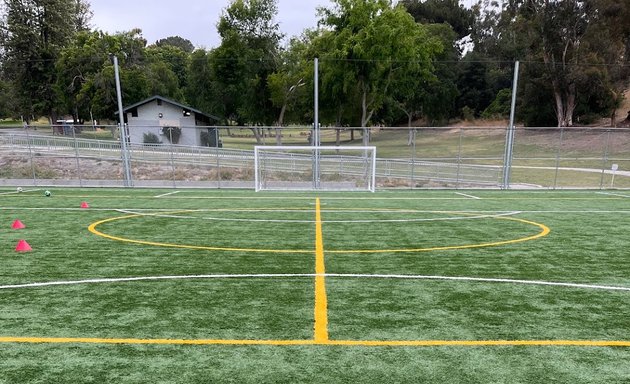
pixel 308 168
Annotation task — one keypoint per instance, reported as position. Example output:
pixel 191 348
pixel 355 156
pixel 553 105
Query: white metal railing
pixel 179 155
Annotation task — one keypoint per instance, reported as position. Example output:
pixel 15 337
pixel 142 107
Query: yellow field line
pixel 92 229
pixel 481 343
pixel 348 343
pixel 321 301
pixel 544 232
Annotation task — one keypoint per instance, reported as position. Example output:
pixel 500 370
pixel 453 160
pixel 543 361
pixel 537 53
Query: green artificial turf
pixel 238 266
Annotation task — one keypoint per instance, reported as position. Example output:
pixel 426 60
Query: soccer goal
pixel 309 168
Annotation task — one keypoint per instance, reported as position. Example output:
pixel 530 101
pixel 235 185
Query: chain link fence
pixel 409 158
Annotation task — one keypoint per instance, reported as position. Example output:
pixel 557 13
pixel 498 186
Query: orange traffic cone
pixel 17 224
pixel 22 246
pixel 85 205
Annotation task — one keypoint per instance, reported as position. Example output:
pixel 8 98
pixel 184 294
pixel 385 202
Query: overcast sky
pixel 194 20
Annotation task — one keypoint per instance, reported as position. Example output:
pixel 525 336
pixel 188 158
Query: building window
pixel 134 112
pixel 159 102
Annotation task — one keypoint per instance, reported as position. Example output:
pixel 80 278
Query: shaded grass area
pixel 587 244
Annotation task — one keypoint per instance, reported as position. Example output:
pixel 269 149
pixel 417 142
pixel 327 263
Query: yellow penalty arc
pixel 544 231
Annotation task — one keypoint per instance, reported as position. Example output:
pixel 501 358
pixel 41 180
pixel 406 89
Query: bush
pixel 150 138
pixel 172 133
pixel 500 106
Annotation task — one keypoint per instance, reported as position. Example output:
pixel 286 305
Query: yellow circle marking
pixel 544 231
pixel 92 228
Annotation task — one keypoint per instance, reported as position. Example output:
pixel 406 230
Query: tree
pixel 7 108
pixel 247 56
pixel 286 84
pixel 373 43
pixel 176 59
pixel 566 37
pixel 449 12
pixel 35 32
pixel 163 81
pixel 429 92
pixel 201 90
pixel 176 42
pixel 85 75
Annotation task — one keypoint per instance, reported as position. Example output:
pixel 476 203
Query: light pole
pixel 128 182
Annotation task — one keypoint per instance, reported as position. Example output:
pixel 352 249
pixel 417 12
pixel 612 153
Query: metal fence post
pixel 216 151
pixel 459 158
pixel 30 154
pixel 555 178
pixel 413 159
pixel 604 159
pixel 76 154
pixel 170 138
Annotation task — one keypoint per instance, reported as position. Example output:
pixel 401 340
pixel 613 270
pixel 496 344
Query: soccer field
pixel 181 286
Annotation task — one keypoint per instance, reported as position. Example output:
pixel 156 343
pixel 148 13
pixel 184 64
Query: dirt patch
pixel 16 166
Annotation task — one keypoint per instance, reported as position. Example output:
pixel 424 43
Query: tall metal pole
pixel 123 131
pixel 413 159
pixel 509 139
pixel 76 154
pixel 170 140
pixel 30 154
pixel 316 132
pixel 316 106
pixel 216 151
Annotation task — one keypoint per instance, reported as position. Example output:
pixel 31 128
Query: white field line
pixel 139 211
pixel 612 194
pixel 16 192
pixel 468 196
pixel 326 221
pixel 166 194
pixel 312 275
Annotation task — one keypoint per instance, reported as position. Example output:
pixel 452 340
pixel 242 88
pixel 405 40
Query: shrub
pixel 150 138
pixel 172 133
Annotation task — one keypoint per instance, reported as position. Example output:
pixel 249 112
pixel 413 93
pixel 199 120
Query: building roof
pixel 173 102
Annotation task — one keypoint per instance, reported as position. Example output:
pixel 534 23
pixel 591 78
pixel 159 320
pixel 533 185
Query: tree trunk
pixel 280 123
pixel 256 135
pixel 365 118
pixel 338 136
pixel 565 104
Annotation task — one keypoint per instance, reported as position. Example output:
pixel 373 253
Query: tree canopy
pixel 380 63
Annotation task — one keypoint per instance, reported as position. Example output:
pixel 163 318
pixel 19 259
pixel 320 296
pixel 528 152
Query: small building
pixel 170 122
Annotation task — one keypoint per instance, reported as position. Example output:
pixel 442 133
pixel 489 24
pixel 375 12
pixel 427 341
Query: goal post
pixel 314 168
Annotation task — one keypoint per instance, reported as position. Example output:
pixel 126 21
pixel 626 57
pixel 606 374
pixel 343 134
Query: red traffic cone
pixel 85 205
pixel 22 246
pixel 17 224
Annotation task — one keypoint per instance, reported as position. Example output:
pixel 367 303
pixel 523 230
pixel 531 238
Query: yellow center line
pixel 321 302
